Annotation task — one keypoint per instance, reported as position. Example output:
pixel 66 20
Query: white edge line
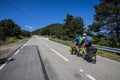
pixel 17 52
pixel 89 76
pixel 59 54
pixel 81 70
pixel 3 65
pixel 25 43
pixel 21 47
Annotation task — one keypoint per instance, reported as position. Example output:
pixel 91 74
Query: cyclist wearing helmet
pixel 87 41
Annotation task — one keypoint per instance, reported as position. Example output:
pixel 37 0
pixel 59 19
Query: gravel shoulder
pixel 7 50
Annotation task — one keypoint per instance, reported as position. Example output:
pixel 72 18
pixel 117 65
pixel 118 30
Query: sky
pixel 35 14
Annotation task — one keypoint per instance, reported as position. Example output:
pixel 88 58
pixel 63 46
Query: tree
pixel 107 18
pixel 25 33
pixel 73 26
pixel 17 30
pixel 45 32
pixel 8 28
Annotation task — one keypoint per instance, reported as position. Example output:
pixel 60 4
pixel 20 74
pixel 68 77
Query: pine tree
pixel 107 19
pixel 73 26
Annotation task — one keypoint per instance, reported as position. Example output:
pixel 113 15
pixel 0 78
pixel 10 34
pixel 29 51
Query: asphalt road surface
pixel 42 59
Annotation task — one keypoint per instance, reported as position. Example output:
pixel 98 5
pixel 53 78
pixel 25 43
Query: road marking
pixel 81 70
pixel 25 44
pixel 17 52
pixel 21 47
pixel 59 54
pixel 89 76
pixel 3 65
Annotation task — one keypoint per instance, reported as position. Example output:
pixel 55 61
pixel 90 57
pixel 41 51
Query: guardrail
pixel 116 50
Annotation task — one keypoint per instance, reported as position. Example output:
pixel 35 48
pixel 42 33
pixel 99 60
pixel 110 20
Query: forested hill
pixel 50 30
pixel 67 31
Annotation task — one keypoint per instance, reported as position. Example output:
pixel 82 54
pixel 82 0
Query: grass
pixel 1 42
pixel 6 42
pixel 9 40
pixel 102 53
pixel 109 55
pixel 5 54
pixel 1 53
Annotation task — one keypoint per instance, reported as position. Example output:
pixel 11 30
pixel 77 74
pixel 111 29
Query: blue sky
pixel 34 14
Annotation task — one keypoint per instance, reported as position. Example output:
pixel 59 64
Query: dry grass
pixel 109 55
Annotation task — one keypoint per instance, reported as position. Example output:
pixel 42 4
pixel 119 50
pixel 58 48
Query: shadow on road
pixel 2 61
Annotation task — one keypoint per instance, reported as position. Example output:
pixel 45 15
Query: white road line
pixel 17 52
pixel 3 65
pixel 89 76
pixel 81 70
pixel 59 54
pixel 21 47
pixel 25 43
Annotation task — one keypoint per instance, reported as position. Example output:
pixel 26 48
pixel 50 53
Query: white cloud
pixel 29 27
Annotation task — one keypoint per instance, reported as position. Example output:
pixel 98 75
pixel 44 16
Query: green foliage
pixel 8 28
pixel 107 22
pixel 25 33
pixel 107 17
pixel 66 31
pixel 55 30
pixel 73 26
pixel 103 42
pixel 50 30
pixel 113 42
pixel 10 32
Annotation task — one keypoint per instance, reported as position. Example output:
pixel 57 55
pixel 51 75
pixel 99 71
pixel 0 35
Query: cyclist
pixel 78 40
pixel 87 41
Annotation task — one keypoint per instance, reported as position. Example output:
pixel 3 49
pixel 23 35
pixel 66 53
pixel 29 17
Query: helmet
pixel 84 34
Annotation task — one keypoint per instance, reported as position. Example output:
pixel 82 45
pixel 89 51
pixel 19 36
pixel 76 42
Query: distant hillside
pixel 50 30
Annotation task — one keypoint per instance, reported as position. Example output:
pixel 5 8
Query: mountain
pixel 50 30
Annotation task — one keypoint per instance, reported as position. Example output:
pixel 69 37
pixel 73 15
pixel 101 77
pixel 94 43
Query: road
pixel 42 59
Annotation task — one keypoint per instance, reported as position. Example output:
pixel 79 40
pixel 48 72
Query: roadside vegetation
pixel 105 30
pixel 110 55
pixel 11 32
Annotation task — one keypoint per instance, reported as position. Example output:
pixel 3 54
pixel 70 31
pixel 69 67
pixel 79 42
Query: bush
pixel 103 42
